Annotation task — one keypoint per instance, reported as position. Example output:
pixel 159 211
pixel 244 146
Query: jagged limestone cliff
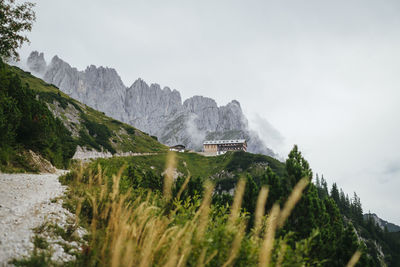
pixel 158 111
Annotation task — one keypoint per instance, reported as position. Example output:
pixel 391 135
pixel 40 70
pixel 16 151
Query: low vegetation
pixel 141 218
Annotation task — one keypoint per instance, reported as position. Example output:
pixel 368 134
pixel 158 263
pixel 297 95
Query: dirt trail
pixel 26 203
pixel 86 155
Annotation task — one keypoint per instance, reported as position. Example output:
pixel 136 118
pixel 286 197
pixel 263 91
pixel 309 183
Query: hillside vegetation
pixel 188 210
pixel 26 123
pixel 37 116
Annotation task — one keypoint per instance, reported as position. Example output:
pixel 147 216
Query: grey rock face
pixel 204 112
pixel 158 111
pixel 150 108
pixel 100 88
pixel 36 63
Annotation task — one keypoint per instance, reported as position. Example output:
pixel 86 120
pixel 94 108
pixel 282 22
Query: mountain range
pixel 150 108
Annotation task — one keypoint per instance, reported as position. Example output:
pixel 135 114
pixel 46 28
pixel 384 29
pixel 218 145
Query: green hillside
pixel 197 165
pixel 38 116
pixel 315 233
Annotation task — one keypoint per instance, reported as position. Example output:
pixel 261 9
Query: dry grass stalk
pixel 200 260
pixel 90 179
pixel 211 257
pixel 177 245
pixel 183 187
pixel 169 175
pixel 292 201
pixel 165 237
pixel 260 209
pixel 235 245
pixel 79 173
pixel 237 202
pixel 116 179
pixel 93 224
pixel 138 234
pixel 269 237
pixel 128 259
pixel 281 254
pixel 78 211
pixel 185 252
pixel 204 210
pixel 146 257
pixel 354 259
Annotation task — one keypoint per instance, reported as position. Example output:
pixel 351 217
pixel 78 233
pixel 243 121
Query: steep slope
pixel 76 126
pixel 158 111
pixel 30 136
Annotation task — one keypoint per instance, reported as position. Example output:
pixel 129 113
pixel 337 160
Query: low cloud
pixel 197 136
pixel 392 168
pixel 271 137
pixel 389 173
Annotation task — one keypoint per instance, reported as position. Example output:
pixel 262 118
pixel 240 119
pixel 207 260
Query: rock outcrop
pixel 150 108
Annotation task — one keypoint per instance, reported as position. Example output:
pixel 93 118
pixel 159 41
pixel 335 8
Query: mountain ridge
pixel 157 110
pixel 391 227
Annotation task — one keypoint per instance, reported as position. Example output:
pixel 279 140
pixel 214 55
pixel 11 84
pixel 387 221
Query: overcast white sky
pixel 325 74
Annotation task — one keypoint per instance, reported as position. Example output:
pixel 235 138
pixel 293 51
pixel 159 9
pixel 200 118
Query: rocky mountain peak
pixel 104 79
pixel 57 64
pixel 151 108
pixel 56 60
pixel 36 63
pixel 198 103
pixel 234 103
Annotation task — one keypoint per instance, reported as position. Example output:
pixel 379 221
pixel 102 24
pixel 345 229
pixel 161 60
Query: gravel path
pixel 25 203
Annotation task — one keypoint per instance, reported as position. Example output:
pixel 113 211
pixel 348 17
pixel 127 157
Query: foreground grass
pixel 137 227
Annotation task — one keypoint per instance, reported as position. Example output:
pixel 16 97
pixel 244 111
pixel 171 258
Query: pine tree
pixel 335 194
pixel 317 182
pixel 297 167
pixel 324 185
pixel 357 212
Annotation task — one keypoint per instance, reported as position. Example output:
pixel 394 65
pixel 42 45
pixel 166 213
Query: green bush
pixel 99 133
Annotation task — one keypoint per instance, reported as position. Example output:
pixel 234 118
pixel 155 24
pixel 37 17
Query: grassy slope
pixel 121 137
pixel 198 165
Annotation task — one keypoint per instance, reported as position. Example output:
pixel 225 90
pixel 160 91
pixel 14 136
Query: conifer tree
pixel 335 193
pixel 324 185
pixel 297 167
pixel 317 182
